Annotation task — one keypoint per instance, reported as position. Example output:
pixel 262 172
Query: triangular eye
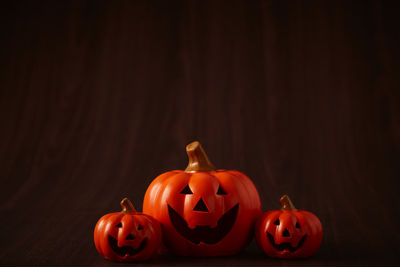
pixel 119 225
pixel 277 222
pixel 186 190
pixel 221 191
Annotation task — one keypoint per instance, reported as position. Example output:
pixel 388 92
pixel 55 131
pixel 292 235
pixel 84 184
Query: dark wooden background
pixel 97 98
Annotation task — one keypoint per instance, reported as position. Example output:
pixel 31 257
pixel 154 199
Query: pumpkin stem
pixel 286 203
pixel 127 206
pixel 198 159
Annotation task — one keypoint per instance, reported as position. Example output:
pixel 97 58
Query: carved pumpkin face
pixel 205 212
pixel 288 233
pixel 127 235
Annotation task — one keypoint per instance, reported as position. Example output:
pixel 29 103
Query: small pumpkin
pixel 127 235
pixel 203 211
pixel 288 233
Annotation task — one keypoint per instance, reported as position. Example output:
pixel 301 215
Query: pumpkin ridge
pixel 158 210
pixel 154 189
pixel 245 180
pixel 100 227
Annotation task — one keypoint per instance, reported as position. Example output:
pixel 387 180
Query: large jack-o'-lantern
pixel 288 233
pixel 203 211
pixel 127 235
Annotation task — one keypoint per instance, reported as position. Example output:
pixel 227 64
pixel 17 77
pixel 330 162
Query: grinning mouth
pixel 126 250
pixel 204 233
pixel 285 245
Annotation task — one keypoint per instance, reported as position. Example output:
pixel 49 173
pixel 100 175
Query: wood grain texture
pixel 97 98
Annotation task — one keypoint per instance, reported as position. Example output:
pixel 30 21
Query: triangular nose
pixel 201 206
pixel 286 233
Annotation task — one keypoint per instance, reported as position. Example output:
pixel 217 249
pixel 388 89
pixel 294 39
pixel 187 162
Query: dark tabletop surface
pixel 97 98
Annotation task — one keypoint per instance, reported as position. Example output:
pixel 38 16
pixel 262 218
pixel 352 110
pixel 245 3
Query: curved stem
pixel 127 206
pixel 198 159
pixel 286 203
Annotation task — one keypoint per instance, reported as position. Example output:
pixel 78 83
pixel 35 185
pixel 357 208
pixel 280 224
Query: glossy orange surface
pixel 204 213
pixel 288 233
pixel 131 236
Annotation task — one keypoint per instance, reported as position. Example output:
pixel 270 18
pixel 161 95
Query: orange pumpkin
pixel 127 235
pixel 203 211
pixel 288 233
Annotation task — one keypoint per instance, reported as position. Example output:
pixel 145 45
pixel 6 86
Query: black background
pixel 99 97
